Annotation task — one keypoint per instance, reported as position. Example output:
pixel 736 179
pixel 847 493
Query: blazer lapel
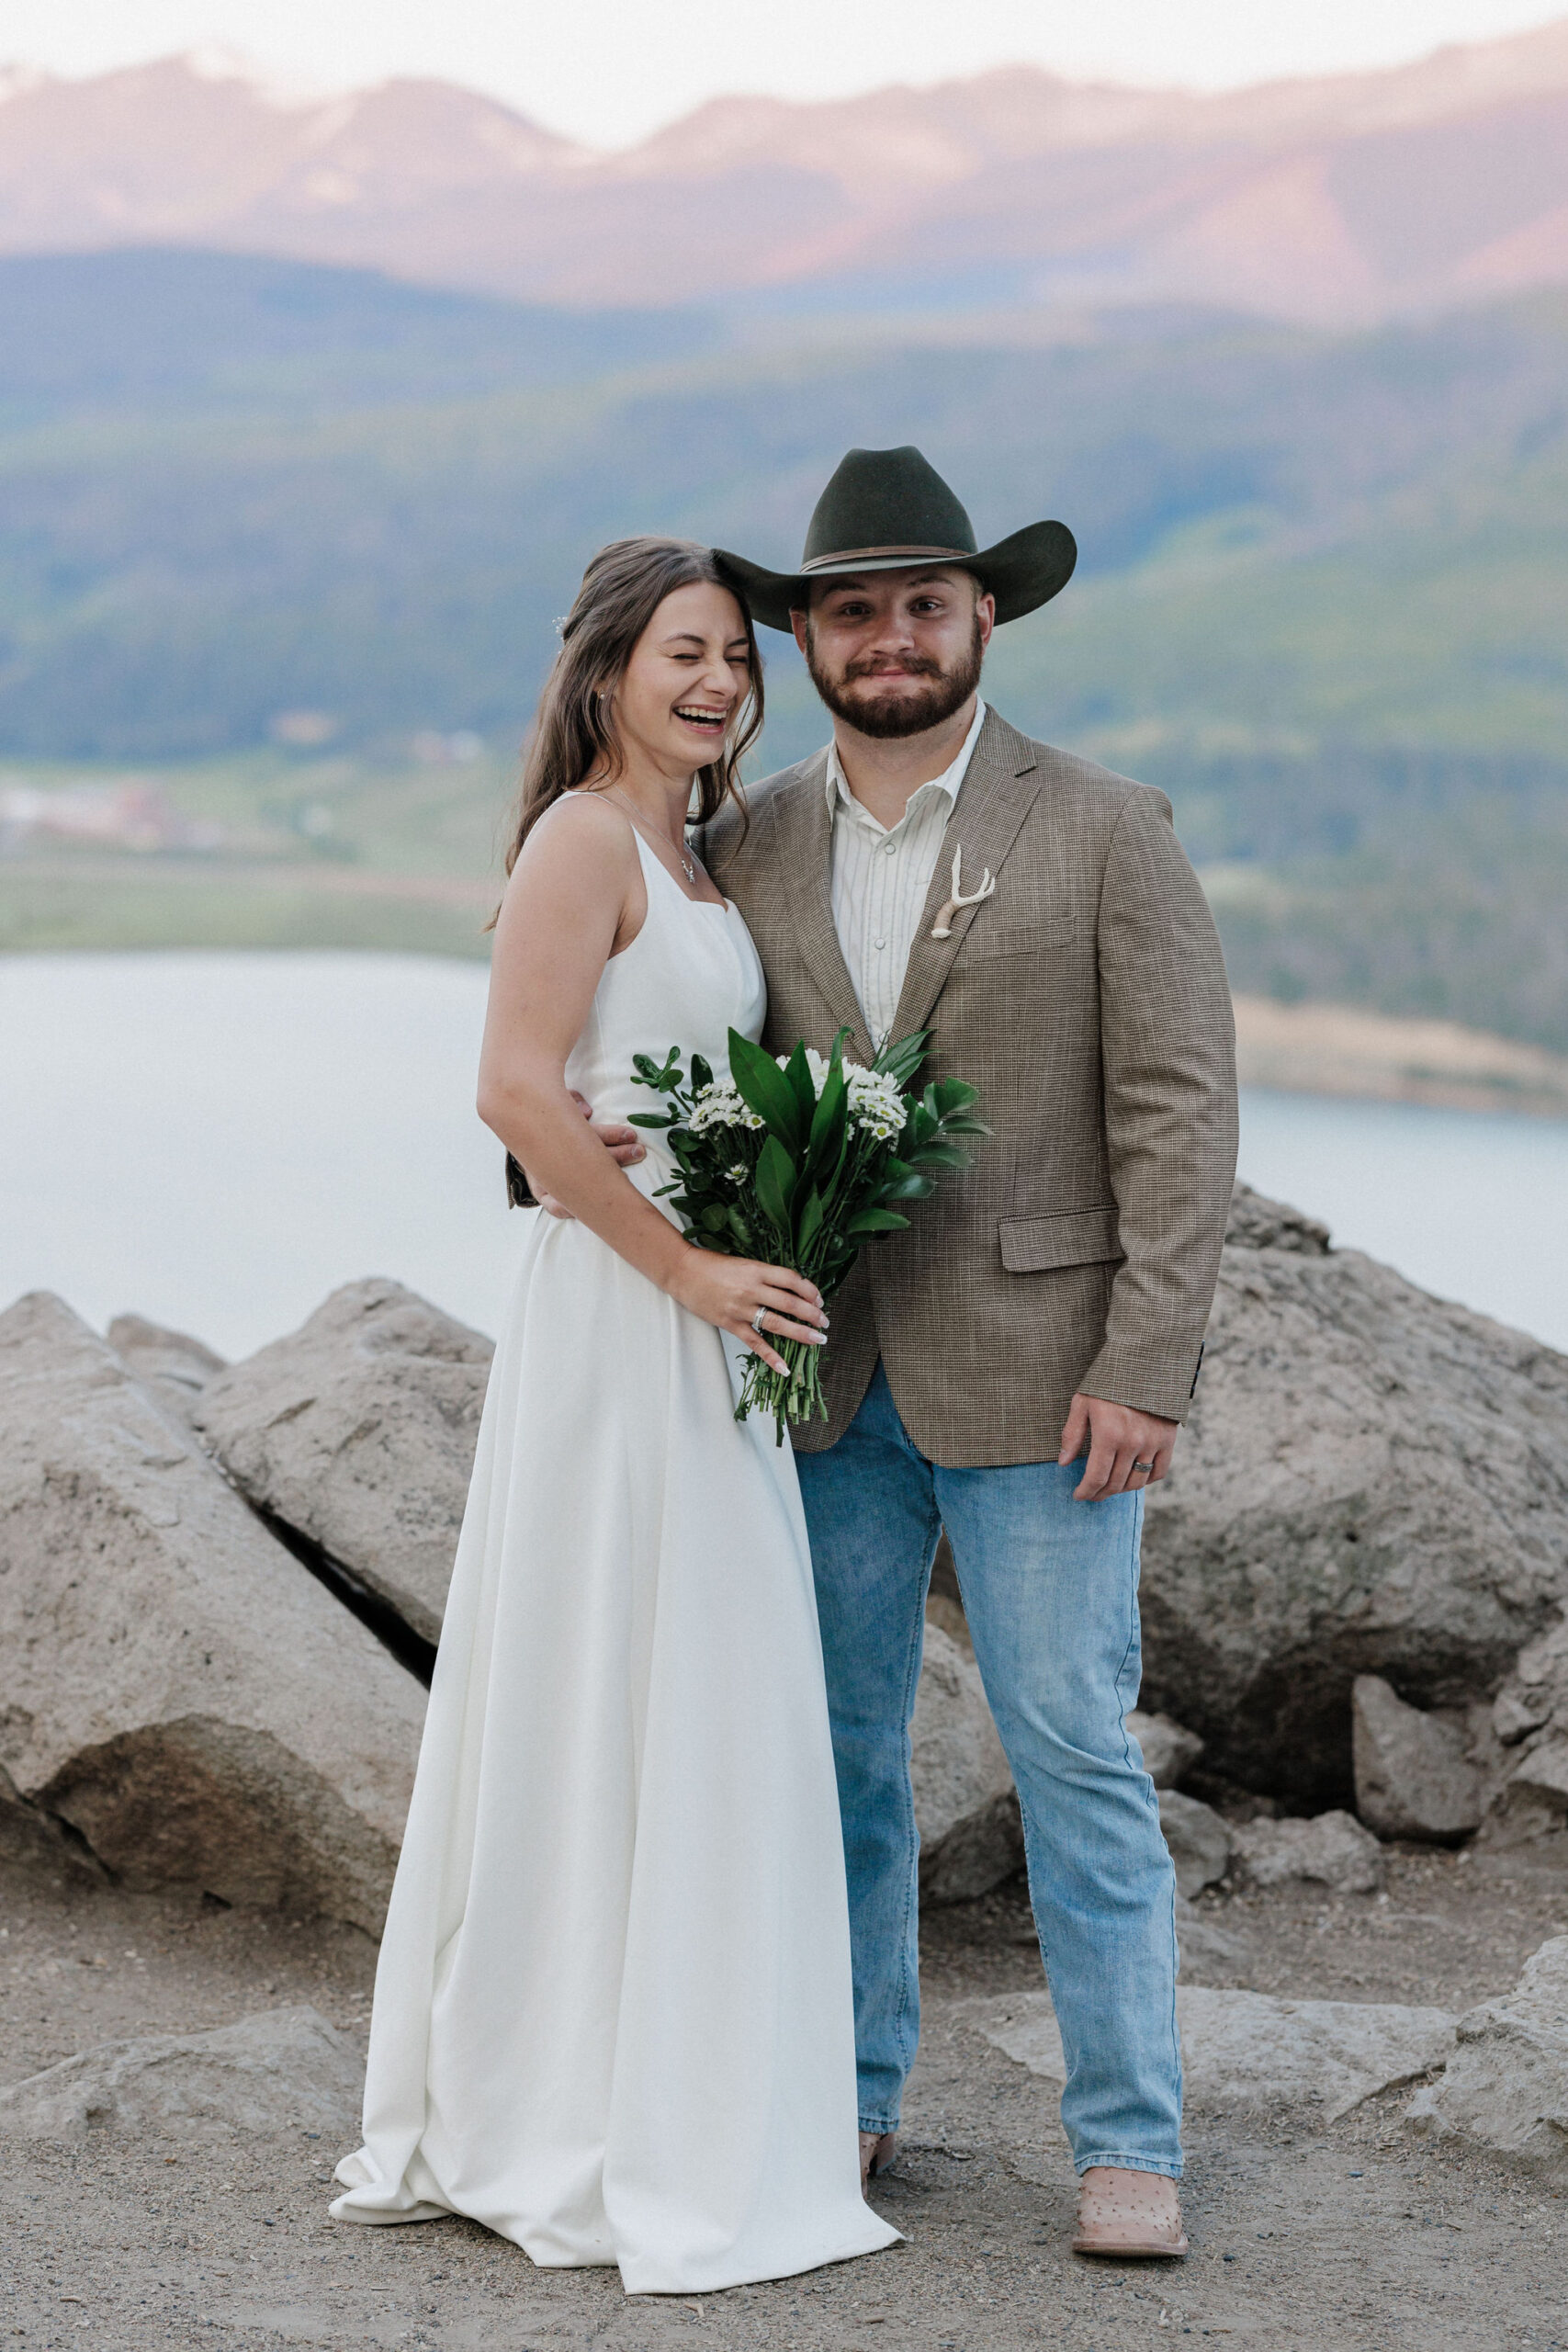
pixel 998 789
pixel 806 826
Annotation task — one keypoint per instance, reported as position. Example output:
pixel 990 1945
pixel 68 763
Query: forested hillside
pixel 1323 594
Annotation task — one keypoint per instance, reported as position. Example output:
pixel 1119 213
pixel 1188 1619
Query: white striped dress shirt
pixel 881 875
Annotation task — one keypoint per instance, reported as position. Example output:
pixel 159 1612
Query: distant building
pixel 130 814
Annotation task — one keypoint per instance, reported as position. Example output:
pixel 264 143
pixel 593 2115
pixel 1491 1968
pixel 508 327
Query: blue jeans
pixel 1050 1588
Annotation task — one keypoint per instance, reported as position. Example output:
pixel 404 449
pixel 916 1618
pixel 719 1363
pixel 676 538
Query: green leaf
pixel 714 1218
pixel 702 1073
pixel 761 1083
pixel 903 1057
pixel 775 1186
pixel 828 1128
pixel 810 1223
pixel 742 1232
pixel 947 1095
pixel 938 1154
pixel 662 1077
pixel 909 1186
pixel 872 1221
pixel 798 1071
pixel 651 1118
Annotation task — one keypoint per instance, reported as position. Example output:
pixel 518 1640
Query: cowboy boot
pixel 1129 2216
pixel 877 2152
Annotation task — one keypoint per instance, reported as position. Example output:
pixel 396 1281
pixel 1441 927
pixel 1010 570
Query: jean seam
pixel 911 1900
pixel 1134 1540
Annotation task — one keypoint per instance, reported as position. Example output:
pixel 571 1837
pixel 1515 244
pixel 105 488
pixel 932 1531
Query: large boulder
pixel 1199 1840
pixel 284 2070
pixel 1333 1850
pixel 172 1683
pixel 358 1430
pixel 1506 2088
pixel 175 1368
pixel 1413 1773
pixel 965 1808
pixel 1169 1749
pixel 1251 2050
pixel 1372 1482
pixel 1529 1785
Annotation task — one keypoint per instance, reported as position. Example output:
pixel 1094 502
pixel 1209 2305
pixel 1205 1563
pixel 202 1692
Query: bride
pixel 613 2008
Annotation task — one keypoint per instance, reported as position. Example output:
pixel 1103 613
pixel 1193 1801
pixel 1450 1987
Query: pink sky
pixel 608 71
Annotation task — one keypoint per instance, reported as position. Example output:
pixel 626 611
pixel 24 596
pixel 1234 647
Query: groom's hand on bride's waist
pixel 1127 1450
pixel 623 1145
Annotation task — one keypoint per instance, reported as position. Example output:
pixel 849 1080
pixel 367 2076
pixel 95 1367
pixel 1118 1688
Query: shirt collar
pixel 838 793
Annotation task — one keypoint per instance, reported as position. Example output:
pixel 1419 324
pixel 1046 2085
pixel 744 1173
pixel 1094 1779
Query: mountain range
pixel 1335 201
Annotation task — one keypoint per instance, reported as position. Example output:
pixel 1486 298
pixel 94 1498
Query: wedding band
pixel 1143 1465
pixel 757 1320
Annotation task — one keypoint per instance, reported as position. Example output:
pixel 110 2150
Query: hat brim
pixel 1021 572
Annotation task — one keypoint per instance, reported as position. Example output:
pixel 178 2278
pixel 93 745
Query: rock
pixel 979 1853
pixel 1372 1482
pixel 285 2070
pixel 175 1686
pixel 1200 1842
pixel 1257 1223
pixel 358 1430
pixel 1209 1953
pixel 1528 1798
pixel 1249 2050
pixel 1168 1750
pixel 175 1368
pixel 948 1617
pixel 971 1837
pixel 1506 2088
pixel 1334 1850
pixel 1414 1776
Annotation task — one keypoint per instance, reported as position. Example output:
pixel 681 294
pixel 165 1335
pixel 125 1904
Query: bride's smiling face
pixel 687 676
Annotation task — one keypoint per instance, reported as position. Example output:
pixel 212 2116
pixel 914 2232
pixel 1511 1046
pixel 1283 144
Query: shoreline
pixel 1343 1052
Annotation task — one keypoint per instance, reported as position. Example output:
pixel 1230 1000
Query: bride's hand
pixel 729 1292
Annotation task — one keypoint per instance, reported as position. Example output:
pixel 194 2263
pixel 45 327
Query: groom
pixel 1014 1367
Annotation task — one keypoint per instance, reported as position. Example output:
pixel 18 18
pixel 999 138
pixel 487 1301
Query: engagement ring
pixel 757 1319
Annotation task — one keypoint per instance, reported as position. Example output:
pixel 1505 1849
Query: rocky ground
pixel 1356 2234
pixel 219 1586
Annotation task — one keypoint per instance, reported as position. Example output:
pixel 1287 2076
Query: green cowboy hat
pixel 888 510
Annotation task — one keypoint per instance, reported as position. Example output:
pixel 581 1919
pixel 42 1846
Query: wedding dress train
pixel 613 2015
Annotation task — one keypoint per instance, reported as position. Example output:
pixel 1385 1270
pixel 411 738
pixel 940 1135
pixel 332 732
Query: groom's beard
pixel 850 695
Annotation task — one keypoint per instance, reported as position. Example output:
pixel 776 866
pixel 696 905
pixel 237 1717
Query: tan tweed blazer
pixel 1087 1002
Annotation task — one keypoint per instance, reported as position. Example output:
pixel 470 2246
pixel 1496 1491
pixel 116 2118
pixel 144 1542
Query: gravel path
pixel 1304 2236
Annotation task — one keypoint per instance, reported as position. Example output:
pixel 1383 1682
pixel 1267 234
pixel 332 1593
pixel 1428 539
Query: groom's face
pixel 892 653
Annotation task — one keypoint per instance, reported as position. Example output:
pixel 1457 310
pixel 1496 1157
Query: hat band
pixel 887 555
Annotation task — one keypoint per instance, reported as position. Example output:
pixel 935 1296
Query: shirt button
pixel 879 943
pixel 889 849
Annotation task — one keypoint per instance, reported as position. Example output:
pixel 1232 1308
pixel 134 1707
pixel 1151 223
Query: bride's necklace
pixel 688 865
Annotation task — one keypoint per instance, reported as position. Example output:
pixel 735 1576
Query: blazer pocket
pixel 984 940
pixel 1032 1245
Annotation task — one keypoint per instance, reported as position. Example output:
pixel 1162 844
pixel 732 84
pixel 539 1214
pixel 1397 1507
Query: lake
pixel 217 1140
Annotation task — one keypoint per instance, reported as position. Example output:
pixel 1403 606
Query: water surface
pixel 217 1140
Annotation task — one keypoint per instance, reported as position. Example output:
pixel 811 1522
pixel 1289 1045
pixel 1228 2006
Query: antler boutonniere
pixel 943 927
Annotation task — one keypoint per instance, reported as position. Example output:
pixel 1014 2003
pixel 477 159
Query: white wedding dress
pixel 613 2015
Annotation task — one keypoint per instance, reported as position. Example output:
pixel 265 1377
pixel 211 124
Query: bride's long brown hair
pixel 572 733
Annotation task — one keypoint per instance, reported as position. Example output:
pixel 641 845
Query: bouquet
pixel 799 1162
